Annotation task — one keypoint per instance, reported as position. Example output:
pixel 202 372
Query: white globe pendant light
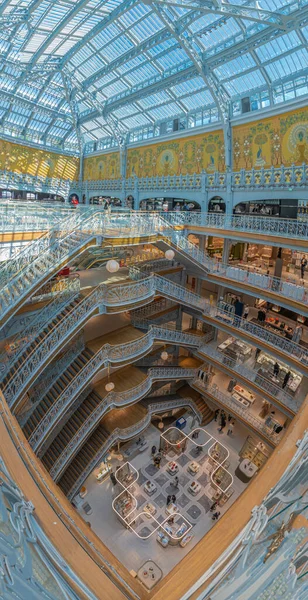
pixel 169 254
pixel 164 355
pixel 112 266
pixel 109 386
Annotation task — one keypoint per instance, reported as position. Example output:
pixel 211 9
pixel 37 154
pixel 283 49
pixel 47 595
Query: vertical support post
pixel 228 162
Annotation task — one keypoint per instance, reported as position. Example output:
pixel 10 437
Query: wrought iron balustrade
pixel 273 226
pixel 262 556
pixel 21 181
pixel 249 373
pixel 234 406
pixel 124 434
pixel 113 354
pixel 66 291
pixel 259 332
pixel 49 376
pixel 32 566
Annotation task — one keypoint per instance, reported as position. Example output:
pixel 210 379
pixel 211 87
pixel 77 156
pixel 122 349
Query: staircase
pixel 207 413
pixel 32 347
pixel 20 276
pixel 81 460
pixel 55 391
pixel 70 429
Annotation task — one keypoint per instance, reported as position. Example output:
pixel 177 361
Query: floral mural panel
pixel 33 161
pixel 277 140
pixel 103 166
pixel 193 154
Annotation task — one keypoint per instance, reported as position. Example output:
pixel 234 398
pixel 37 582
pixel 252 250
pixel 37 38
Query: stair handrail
pixel 117 295
pixel 242 369
pixel 102 295
pixel 127 433
pixel 105 355
pixel 59 299
pixel 213 390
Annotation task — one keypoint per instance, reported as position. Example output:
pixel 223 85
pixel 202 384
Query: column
pixel 226 251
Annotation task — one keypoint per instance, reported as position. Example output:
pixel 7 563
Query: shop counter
pixel 246 470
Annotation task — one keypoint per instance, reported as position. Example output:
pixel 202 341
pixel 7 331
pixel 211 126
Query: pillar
pixel 278 264
pixel 226 251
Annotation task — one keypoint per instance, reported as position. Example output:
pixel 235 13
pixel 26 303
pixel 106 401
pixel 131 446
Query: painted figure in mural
pixel 301 147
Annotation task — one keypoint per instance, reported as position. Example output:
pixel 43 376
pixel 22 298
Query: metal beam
pixel 55 32
pixel 142 92
pixel 271 19
pixel 141 48
pixel 32 103
pixel 114 14
pixel 219 95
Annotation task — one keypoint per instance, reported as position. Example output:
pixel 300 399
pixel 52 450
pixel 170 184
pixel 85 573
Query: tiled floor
pixel 125 545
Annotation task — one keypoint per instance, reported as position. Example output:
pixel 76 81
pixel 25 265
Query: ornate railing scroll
pixel 79 383
pixel 67 290
pixel 129 432
pixel 234 406
pixel 268 558
pixel 32 566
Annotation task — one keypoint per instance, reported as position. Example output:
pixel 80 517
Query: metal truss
pixel 252 12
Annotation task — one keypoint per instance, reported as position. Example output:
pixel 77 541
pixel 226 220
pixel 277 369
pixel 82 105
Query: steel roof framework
pixel 75 71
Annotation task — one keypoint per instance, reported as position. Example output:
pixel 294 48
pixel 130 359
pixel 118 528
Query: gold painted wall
pixel 21 159
pixel 104 166
pixel 184 156
pixel 278 140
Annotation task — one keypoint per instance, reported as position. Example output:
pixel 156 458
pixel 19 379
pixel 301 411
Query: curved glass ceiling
pixel 74 71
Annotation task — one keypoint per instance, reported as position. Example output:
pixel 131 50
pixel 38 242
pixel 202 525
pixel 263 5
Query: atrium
pixel 154 299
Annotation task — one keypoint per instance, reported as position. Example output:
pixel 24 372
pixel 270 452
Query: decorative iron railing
pixel 236 409
pixel 33 567
pixel 66 291
pixel 83 378
pixel 128 433
pixel 243 370
pixel 251 565
pixel 123 295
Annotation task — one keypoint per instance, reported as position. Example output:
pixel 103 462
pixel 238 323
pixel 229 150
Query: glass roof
pixel 76 71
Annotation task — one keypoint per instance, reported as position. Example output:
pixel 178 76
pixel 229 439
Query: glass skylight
pixel 75 61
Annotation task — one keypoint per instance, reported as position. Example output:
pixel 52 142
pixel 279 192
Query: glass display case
pixel 255 451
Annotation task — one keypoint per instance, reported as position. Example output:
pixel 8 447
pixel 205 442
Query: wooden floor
pixel 114 338
pixel 123 417
pixel 190 362
pixel 275 240
pixel 124 379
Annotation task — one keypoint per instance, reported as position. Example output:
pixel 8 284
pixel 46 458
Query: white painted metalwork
pixel 88 426
pixel 121 296
pixel 236 409
pixel 126 434
pixel 42 573
pixel 113 398
pixel 246 569
pixel 67 290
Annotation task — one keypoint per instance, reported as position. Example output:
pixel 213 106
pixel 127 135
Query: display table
pixel 172 467
pixel 194 488
pixel 149 574
pixel 243 393
pixel 235 349
pixel 193 467
pixel 244 403
pixel 150 488
pixel 149 508
pixel 246 470
pixel 171 509
pixel 186 539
